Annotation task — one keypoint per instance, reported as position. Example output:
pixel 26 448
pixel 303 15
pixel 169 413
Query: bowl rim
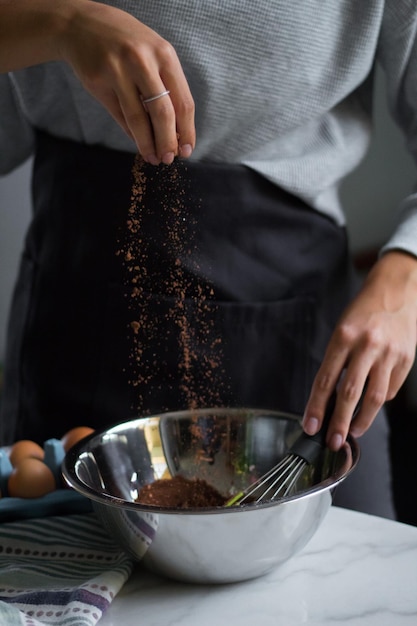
pixel 73 481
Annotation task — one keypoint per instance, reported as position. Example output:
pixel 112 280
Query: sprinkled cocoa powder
pixel 164 284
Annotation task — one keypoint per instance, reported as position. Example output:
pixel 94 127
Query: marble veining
pixel 358 570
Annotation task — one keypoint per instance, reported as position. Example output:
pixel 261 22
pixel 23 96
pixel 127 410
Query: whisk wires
pixel 279 482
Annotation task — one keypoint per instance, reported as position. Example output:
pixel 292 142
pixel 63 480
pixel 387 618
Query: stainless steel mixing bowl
pixel 228 448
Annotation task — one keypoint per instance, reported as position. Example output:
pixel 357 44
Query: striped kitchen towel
pixel 58 570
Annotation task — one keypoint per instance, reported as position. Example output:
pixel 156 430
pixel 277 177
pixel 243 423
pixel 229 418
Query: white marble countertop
pixel 358 570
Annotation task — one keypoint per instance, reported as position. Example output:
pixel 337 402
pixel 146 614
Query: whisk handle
pixel 309 447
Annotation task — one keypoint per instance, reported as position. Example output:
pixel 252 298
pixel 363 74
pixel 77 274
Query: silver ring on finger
pixel 152 98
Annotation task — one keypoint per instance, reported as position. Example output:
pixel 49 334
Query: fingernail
pixel 152 159
pixel 336 442
pixel 311 425
pixel 186 150
pixel 168 158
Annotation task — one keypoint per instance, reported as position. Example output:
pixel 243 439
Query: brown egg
pixel 31 478
pixel 74 435
pixel 23 449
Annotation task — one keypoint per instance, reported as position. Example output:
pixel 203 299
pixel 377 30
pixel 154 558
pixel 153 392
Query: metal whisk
pixel 281 480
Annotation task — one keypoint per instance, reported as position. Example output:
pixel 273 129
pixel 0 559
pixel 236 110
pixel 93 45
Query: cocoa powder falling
pixel 166 294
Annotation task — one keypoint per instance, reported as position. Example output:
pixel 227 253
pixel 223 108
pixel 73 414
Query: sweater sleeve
pixel 16 134
pixel 397 53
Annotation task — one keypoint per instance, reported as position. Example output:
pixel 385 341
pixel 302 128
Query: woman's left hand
pixel 373 343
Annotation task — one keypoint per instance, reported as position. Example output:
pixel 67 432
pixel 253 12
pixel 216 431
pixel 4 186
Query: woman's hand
pixel 373 343
pixel 119 60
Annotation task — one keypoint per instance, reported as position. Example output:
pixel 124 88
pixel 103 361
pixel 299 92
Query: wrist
pixel 394 276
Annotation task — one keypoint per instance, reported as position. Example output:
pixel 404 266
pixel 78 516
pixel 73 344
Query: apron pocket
pixel 267 354
pixel 184 354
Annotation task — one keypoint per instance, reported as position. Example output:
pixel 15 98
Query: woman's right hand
pixel 118 59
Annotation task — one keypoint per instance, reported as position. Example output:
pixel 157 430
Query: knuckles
pixel 376 340
pixel 376 398
pixel 186 106
pixel 349 391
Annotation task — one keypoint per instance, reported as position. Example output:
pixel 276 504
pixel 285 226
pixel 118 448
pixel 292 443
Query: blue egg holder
pixel 62 501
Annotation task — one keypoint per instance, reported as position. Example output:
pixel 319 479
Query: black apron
pixel 265 277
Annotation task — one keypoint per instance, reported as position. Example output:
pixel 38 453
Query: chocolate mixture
pixel 180 492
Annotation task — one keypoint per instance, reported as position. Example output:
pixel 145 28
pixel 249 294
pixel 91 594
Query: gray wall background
pixel 371 195
pixel 14 218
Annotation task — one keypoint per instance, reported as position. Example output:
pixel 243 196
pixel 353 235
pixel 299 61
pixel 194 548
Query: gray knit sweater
pixel 283 86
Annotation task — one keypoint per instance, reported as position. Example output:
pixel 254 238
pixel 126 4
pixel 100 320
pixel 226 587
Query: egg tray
pixel 62 501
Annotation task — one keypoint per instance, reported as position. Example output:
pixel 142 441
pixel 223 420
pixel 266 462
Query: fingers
pixel 160 130
pixel 152 125
pixel 348 390
pixel 122 62
pixel 163 145
pixel 183 104
pixel 365 377
pixel 323 386
pixel 159 111
pixel 350 397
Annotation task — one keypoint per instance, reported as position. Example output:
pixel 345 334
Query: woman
pixel 282 98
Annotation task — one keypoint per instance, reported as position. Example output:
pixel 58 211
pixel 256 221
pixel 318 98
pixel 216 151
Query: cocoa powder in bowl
pixel 180 492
